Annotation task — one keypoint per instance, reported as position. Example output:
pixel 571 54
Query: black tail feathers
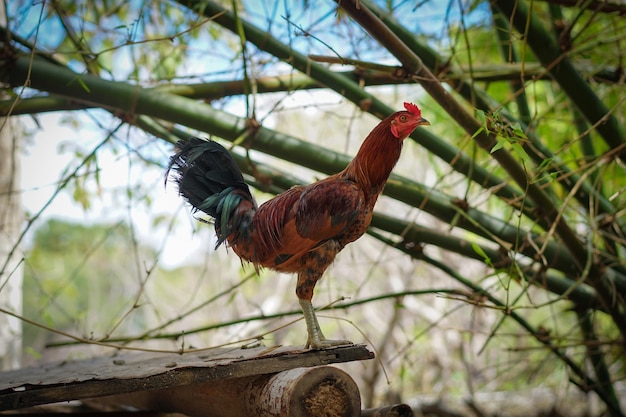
pixel 209 179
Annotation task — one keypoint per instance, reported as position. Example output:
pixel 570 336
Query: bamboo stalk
pixel 129 101
pixel 561 69
pixel 561 354
pixel 460 82
pixel 457 159
pixel 593 273
pixel 292 82
pixel 596 357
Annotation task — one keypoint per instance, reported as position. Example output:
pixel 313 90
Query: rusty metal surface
pixel 131 372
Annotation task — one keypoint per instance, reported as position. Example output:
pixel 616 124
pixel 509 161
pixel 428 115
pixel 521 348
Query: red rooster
pixel 304 228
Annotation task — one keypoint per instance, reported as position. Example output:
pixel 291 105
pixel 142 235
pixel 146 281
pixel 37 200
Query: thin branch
pixel 355 93
pixel 486 140
pixel 263 317
pixel 597 357
pixel 127 101
pixel 461 83
pixel 560 67
pixel 480 293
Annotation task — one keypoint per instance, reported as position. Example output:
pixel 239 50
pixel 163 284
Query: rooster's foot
pixel 325 343
pixel 316 339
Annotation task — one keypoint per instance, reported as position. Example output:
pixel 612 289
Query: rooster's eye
pixel 403 118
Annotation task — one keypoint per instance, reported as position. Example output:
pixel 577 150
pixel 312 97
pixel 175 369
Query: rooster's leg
pixel 307 279
pixel 316 339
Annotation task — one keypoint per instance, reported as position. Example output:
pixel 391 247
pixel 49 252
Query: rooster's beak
pixel 423 122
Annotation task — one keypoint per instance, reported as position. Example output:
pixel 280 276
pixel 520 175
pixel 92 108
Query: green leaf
pixel 519 132
pixel 519 151
pixel 81 195
pixel 480 252
pixel 82 84
pixel 481 129
pixel 482 118
pixel 499 144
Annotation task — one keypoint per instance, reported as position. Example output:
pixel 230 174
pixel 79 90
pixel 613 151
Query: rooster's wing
pixel 327 208
pixel 301 219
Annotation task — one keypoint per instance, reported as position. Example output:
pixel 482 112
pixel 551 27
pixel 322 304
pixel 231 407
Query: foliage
pixel 74 271
pixel 519 225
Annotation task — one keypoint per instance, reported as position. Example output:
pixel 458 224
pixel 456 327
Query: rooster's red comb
pixel 412 108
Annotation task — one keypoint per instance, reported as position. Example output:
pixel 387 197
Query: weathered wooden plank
pixel 131 372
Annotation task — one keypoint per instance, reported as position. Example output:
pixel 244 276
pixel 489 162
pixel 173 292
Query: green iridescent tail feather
pixel 209 179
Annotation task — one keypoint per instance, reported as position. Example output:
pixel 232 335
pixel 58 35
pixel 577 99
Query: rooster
pixel 302 229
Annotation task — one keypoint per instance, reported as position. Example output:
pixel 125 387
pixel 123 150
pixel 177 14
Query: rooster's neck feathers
pixel 374 161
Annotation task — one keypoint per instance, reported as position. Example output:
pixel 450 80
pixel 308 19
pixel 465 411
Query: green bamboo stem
pixel 414 235
pixel 479 98
pixel 128 101
pixel 547 342
pixel 36 105
pixel 596 357
pixel 290 82
pixel 207 91
pixel 560 67
pixel 501 28
pixel 353 92
pixel 596 276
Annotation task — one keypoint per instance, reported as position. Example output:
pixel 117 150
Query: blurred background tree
pixel 496 260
